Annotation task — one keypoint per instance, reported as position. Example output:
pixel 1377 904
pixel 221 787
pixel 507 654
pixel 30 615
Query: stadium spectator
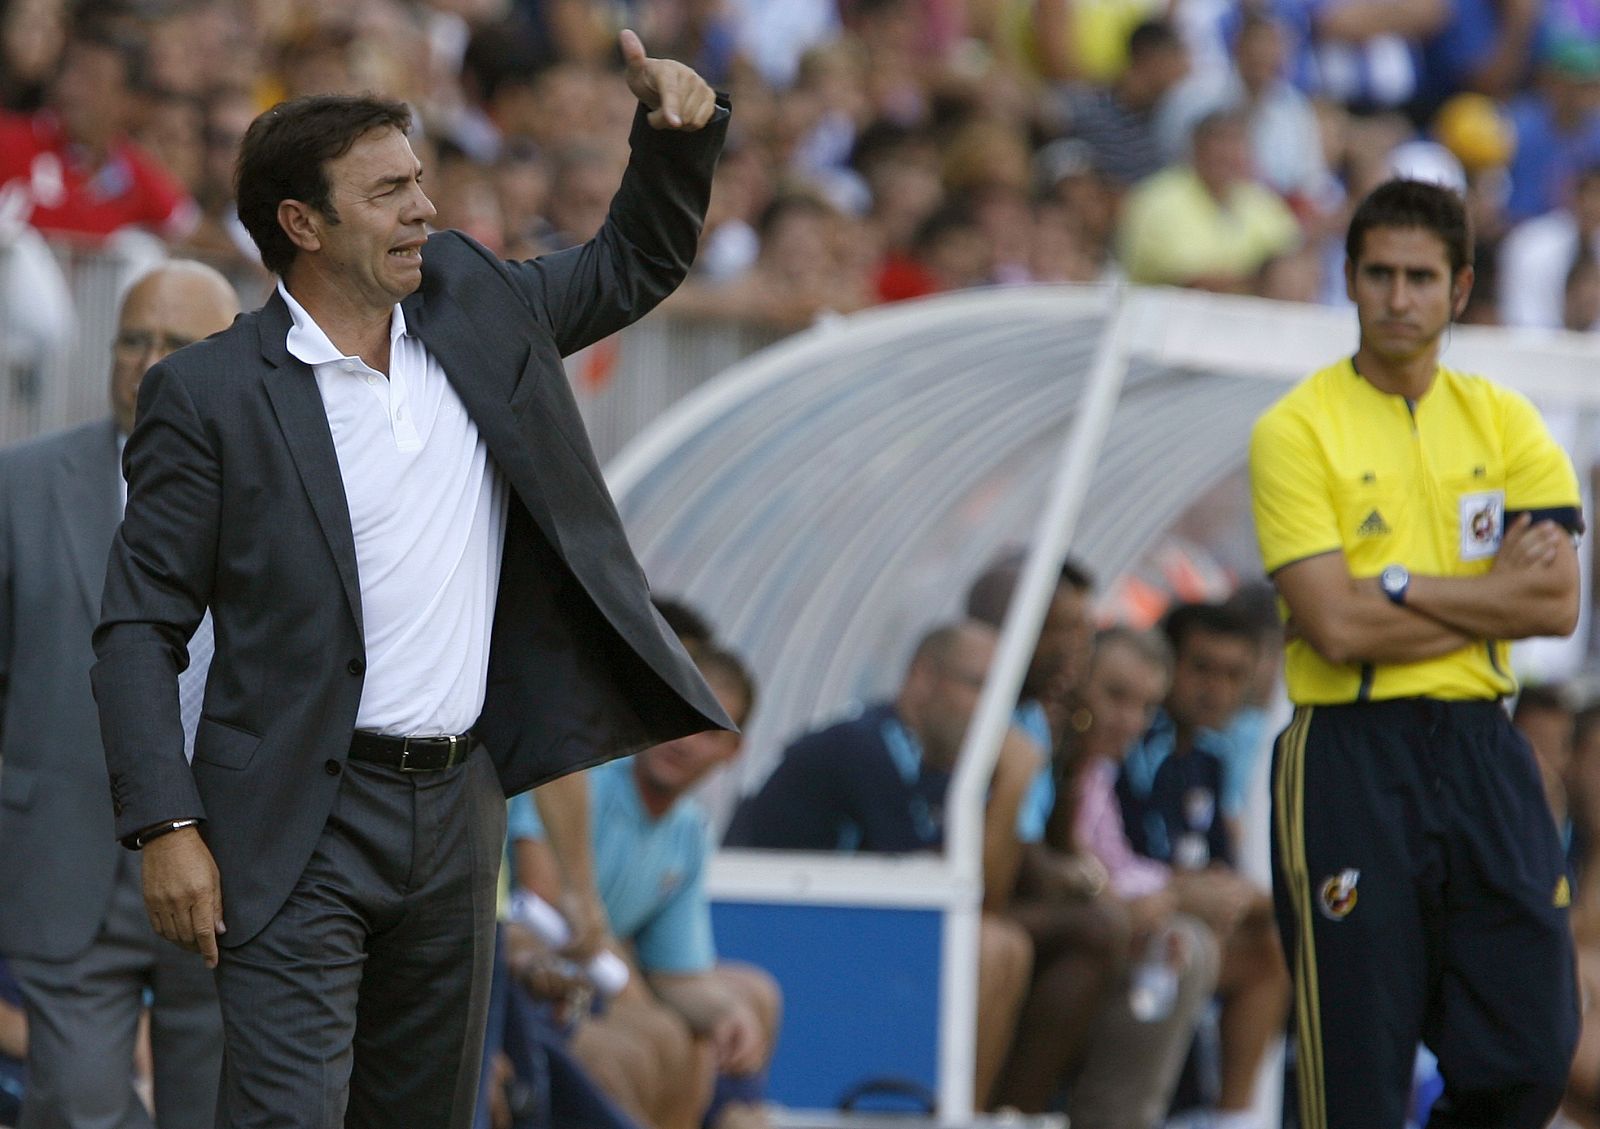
pixel 1360 53
pixel 1580 308
pixel 1207 224
pixel 1133 1062
pixel 1286 146
pixel 530 1076
pixel 1171 780
pixel 1253 982
pixel 1538 254
pixel 1118 1069
pixel 1071 181
pixel 1119 121
pixel 1557 123
pixel 877 782
pixel 70 169
pixel 650 842
pixel 32 33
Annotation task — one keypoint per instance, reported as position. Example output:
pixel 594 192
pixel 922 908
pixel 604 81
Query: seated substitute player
pixel 651 844
pixel 1414 518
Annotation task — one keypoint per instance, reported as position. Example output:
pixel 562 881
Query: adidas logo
pixel 1372 526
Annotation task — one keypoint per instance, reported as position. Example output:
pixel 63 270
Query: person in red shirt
pixel 70 169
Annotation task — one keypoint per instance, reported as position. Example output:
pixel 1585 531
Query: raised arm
pixel 651 233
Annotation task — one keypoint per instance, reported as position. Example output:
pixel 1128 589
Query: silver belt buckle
pixel 405 755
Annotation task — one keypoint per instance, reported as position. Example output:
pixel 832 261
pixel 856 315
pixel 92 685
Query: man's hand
pixel 736 1039
pixel 1526 545
pixel 183 892
pixel 586 917
pixel 676 96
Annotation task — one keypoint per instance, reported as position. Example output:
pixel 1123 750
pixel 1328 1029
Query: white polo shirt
pixel 428 511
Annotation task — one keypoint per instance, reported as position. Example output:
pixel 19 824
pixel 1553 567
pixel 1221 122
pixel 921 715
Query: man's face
pixel 1062 653
pixel 949 692
pixel 1122 693
pixel 1403 291
pixel 165 311
pixel 677 766
pixel 91 93
pixel 374 249
pixel 1210 678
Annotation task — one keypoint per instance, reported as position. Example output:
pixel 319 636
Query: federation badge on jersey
pixel 1482 521
pixel 1336 897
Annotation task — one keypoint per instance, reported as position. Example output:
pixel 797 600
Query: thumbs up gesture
pixel 675 95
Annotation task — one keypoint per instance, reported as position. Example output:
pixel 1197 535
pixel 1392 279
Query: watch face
pixel 1393 579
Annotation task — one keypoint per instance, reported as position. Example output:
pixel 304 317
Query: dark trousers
pixel 361 1005
pixel 83 1018
pixel 1421 894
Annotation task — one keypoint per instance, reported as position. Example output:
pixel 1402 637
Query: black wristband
pixel 139 840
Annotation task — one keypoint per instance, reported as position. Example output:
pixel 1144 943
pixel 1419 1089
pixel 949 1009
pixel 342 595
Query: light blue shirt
pixel 1034 813
pixel 650 872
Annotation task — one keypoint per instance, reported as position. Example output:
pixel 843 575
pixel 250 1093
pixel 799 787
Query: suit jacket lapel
pixel 88 498
pixel 480 379
pixel 292 388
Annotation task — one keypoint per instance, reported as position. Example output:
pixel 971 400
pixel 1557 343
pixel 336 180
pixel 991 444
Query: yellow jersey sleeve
pixel 1293 507
pixel 1539 476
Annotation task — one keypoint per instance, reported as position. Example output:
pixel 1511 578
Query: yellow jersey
pixel 1338 465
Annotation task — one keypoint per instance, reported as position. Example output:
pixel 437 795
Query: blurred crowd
pixel 880 149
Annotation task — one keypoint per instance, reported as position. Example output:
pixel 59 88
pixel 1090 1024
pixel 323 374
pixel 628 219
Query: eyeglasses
pixel 134 343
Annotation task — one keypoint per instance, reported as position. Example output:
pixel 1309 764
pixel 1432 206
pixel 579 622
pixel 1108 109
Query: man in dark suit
pixel 71 917
pixel 423 600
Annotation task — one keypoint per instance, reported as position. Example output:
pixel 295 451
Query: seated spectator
pixel 1206 224
pixel 1254 981
pixel 1132 1065
pixel 1557 123
pixel 877 783
pixel 800 272
pixel 1118 122
pixel 1580 308
pixel 1537 255
pixel 1285 141
pixel 650 847
pixel 1120 1066
pixel 530 1078
pixel 1171 781
pixel 71 170
pixel 1582 790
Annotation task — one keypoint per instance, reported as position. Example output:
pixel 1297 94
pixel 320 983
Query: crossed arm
pixel 1532 589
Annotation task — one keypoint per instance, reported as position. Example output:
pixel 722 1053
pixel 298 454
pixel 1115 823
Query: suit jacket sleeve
pixel 158 584
pixel 645 247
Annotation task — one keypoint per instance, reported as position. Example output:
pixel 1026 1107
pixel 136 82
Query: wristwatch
pixel 1394 581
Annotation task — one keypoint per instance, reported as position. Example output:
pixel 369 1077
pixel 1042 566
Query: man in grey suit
pixel 423 598
pixel 71 916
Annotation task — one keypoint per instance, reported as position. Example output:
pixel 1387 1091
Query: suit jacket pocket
pixel 226 746
pixel 16 787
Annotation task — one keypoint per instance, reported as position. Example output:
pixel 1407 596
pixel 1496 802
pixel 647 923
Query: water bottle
pixel 605 970
pixel 1153 982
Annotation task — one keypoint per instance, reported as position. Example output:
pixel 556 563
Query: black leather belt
pixel 412 754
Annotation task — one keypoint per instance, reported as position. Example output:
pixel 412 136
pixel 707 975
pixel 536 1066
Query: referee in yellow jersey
pixel 1415 519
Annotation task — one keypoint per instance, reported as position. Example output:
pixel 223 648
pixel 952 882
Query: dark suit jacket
pixel 236 502
pixel 59 506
